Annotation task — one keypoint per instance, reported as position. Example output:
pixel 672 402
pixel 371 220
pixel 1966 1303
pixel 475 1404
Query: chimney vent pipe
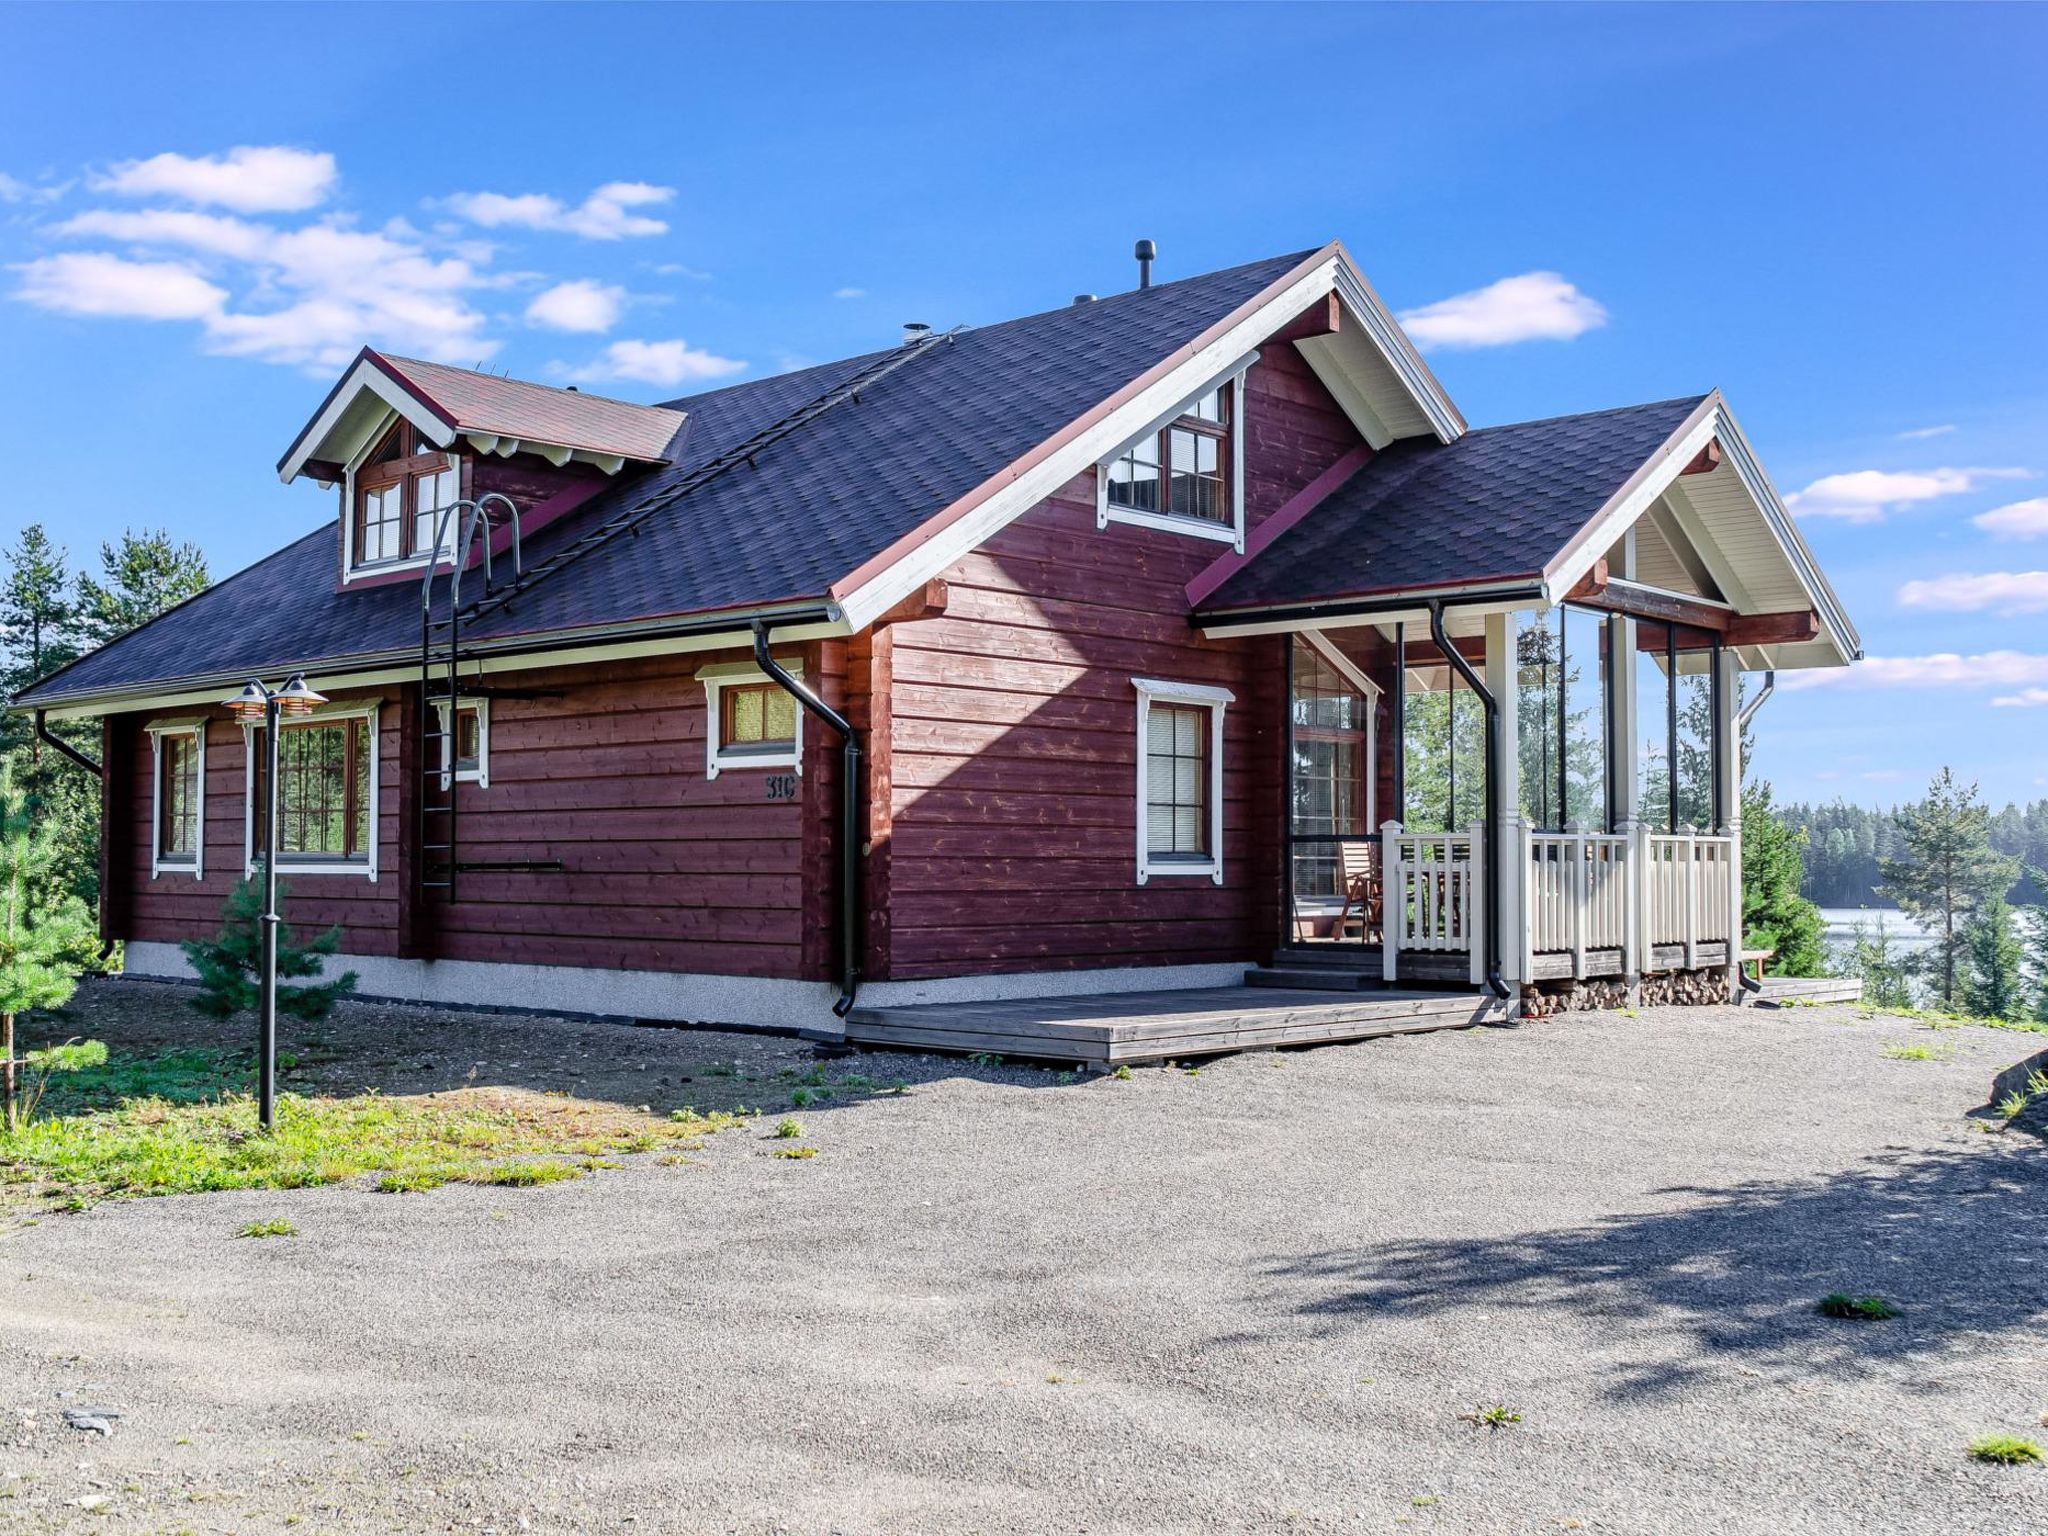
pixel 915 330
pixel 1145 251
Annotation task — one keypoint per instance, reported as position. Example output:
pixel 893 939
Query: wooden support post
pixel 1512 851
pixel 1475 901
pixel 1393 901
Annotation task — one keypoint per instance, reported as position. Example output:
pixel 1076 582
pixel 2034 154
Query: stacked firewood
pixel 1541 999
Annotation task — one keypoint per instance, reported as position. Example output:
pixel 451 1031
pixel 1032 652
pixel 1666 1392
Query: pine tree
pixel 1993 989
pixel 42 927
pixel 1882 972
pixel 1946 871
pixel 145 574
pixel 230 966
pixel 1774 915
pixel 2034 929
pixel 36 611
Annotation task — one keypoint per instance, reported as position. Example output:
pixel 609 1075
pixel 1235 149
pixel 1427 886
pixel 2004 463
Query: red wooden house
pixel 1132 646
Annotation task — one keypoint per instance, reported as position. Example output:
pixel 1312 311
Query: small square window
pixel 471 743
pixel 751 721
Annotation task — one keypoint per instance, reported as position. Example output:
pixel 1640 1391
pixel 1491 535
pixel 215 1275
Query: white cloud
pixel 1918 434
pixel 15 190
pixel 2017 520
pixel 604 215
pixel 1944 669
pixel 1536 306
pixel 581 305
pixel 849 293
pixel 2026 698
pixel 2004 591
pixel 657 362
pixel 1865 495
pixel 309 296
pixel 248 179
pixel 93 283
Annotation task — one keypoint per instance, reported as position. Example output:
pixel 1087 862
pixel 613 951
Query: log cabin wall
pixel 664 869
pixel 1002 817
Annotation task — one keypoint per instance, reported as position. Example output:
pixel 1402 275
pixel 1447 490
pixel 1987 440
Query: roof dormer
pixel 406 440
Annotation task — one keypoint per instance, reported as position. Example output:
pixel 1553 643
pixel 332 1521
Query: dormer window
pixel 1184 474
pixel 402 488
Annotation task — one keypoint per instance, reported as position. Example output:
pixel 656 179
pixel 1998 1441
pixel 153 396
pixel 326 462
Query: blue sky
pixel 1832 213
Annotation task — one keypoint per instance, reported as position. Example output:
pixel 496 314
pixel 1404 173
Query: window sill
pixel 1172 522
pixel 163 866
pixel 728 761
pixel 1207 869
pixel 287 868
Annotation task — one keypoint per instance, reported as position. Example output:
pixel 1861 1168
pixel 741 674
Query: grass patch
pixel 277 1226
pixel 1492 1416
pixel 796 1152
pixel 2011 1105
pixel 179 1122
pixel 986 1059
pixel 1897 1052
pixel 1122 1073
pixel 2006 1450
pixel 1936 1018
pixel 788 1130
pixel 1856 1309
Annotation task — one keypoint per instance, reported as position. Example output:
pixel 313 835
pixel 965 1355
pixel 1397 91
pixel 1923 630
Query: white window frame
pixel 1231 533
pixel 369 712
pixel 355 570
pixel 729 674
pixel 1152 690
pixel 159 863
pixel 480 775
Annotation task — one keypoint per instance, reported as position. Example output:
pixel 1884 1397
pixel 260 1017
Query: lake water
pixel 1903 932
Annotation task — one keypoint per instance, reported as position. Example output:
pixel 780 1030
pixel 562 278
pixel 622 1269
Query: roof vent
pixel 915 330
pixel 574 390
pixel 1084 298
pixel 1145 251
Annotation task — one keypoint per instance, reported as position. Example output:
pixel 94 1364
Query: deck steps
pixel 1311 978
pixel 1109 1029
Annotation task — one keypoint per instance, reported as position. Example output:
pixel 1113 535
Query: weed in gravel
pixel 798 1152
pixel 1492 1416
pixel 1897 1052
pixel 276 1226
pixel 1061 1079
pixel 527 1175
pixel 788 1130
pixel 899 1086
pixel 1122 1073
pixel 1425 1501
pixel 413 1182
pixel 1856 1309
pixel 986 1059
pixel 2006 1450
pixel 2011 1104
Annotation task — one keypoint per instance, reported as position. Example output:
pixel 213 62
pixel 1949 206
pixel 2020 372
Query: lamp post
pixel 253 703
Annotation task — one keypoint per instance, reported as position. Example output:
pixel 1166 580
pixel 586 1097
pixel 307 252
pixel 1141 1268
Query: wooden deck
pixel 1780 990
pixel 1106 1029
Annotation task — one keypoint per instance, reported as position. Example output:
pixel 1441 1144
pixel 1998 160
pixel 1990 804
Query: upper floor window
pixel 401 490
pixel 1184 475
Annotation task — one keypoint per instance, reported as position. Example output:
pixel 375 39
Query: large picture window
pixel 1180 779
pixel 401 490
pixel 326 794
pixel 1561 719
pixel 1677 732
pixel 178 815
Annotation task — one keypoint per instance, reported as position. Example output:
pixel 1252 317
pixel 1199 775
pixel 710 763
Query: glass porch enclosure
pixel 1615 842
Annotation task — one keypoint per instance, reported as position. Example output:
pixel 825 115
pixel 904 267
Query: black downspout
pixel 1494 916
pixel 43 734
pixel 1400 724
pixel 849 817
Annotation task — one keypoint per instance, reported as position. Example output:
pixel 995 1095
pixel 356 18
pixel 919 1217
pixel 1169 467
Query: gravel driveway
pixel 1258 1297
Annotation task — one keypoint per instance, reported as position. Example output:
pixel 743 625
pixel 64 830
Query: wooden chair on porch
pixel 1358 867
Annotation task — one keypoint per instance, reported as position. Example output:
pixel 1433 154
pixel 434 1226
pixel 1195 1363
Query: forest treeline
pixel 1845 842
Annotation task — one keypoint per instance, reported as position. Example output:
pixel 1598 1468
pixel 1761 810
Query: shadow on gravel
pixel 1733 1277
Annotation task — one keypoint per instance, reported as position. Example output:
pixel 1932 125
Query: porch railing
pixel 1577 893
pixel 1435 900
pixel 1689 885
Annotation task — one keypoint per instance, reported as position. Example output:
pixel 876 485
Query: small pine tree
pixel 1881 969
pixel 42 927
pixel 1993 990
pixel 230 966
pixel 1774 915
pixel 1948 871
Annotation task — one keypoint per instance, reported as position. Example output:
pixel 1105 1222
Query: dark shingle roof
pixel 1495 505
pixel 814 507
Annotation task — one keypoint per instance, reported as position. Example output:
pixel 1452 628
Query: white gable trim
pixel 1711 422
pixel 1345 666
pixel 365 375
pixel 1077 451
